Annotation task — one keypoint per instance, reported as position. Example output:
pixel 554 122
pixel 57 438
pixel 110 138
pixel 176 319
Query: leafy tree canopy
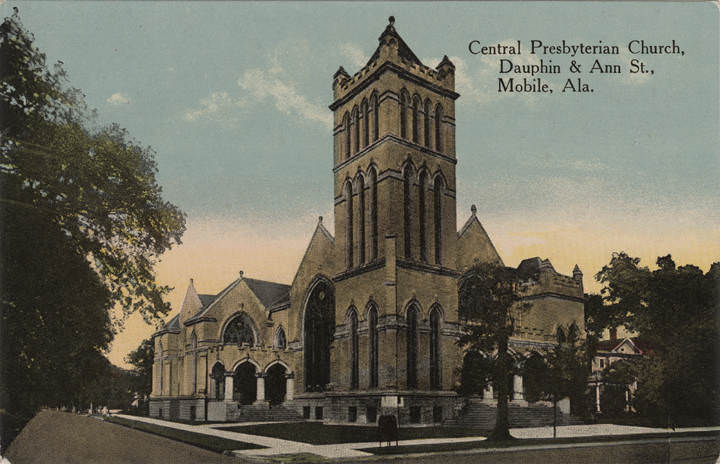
pixel 82 222
pixel 489 299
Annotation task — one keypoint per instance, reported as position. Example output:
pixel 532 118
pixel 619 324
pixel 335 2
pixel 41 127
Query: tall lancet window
pixel 349 224
pixel 412 346
pixel 356 130
pixel 426 126
pixel 415 122
pixel 372 180
pixel 407 210
pixel 438 128
pixel 194 342
pixel 354 348
pixel 346 125
pixel 361 220
pixel 366 124
pixel 435 379
pixel 376 116
pixel 437 207
pixel 373 351
pixel 404 104
pixel 422 213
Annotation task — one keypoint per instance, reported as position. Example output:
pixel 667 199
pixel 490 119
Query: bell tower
pixel 395 222
pixel 394 156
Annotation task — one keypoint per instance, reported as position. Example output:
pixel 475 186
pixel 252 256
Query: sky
pixel 233 97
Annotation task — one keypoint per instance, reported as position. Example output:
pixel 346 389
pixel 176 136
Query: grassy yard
pixel 444 447
pixel 320 434
pixel 201 440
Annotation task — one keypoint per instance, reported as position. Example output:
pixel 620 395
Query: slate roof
pixel 206 299
pixel 268 292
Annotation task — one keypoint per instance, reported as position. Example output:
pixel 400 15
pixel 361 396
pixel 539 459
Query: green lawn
pixel 200 440
pixel 444 447
pixel 320 434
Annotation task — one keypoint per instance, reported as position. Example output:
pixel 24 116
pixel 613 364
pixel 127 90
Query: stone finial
pixel 473 210
pixel 391 20
pixel 320 219
pixel 241 273
pixel 192 281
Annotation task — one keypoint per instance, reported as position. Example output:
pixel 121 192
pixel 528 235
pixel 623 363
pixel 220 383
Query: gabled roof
pixel 269 293
pixel 613 346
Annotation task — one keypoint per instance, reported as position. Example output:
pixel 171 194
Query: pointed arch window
pixel 426 125
pixel 407 210
pixel 240 331
pixel 412 346
pixel 356 130
pixel 348 225
pixel 373 351
pixel 372 180
pixel 354 348
pixel 376 116
pixel 415 122
pixel 361 220
pixel 435 372
pixel 422 213
pixel 280 339
pixel 366 124
pixel 318 332
pixel 404 103
pixel 346 125
pixel 438 128
pixel 437 210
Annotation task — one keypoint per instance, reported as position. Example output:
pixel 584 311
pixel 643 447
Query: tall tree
pixel 674 309
pixel 142 361
pixel 489 299
pixel 83 223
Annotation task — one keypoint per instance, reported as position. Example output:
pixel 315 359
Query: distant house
pixel 608 353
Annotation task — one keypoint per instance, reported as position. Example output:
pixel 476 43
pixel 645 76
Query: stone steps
pixel 253 413
pixel 478 414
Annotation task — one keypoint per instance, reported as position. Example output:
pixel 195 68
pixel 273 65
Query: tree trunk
pixel 502 371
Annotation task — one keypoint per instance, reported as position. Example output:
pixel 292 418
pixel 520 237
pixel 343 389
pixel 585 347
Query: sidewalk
pixel 275 446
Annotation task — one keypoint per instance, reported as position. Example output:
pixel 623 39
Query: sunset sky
pixel 233 98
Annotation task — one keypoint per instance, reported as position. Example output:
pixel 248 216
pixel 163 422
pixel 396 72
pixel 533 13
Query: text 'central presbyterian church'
pixel 370 322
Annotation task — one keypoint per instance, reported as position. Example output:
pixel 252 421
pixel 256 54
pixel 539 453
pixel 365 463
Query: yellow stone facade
pixel 370 321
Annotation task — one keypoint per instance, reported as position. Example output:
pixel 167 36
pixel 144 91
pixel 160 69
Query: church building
pixel 370 321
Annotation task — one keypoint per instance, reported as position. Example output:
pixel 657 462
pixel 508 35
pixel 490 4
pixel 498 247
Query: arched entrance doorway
pixel 319 328
pixel 218 377
pixel 275 384
pixel 245 384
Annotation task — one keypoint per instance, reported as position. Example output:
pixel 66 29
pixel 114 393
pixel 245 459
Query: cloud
pixel 219 106
pixel 356 56
pixel 118 99
pixel 273 83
